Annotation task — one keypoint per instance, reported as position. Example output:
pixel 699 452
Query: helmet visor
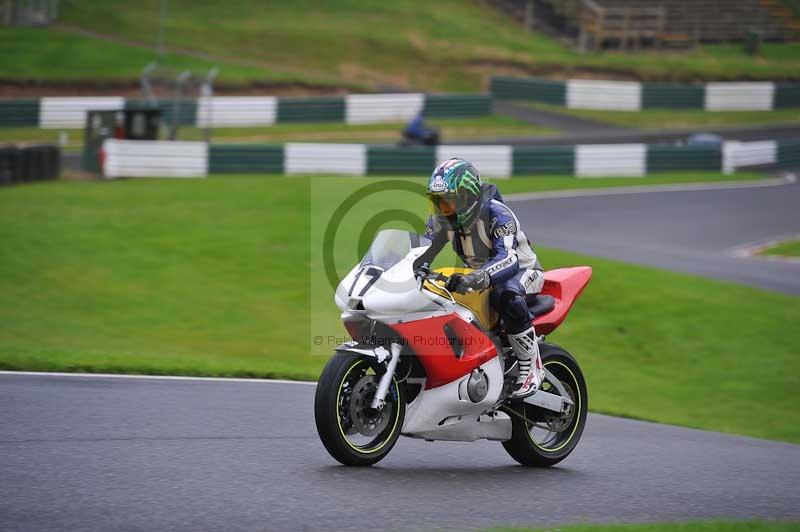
pixel 443 204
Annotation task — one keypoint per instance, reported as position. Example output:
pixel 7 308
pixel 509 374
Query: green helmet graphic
pixel 454 192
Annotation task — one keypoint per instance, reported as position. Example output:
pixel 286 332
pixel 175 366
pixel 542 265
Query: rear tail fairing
pixel 565 285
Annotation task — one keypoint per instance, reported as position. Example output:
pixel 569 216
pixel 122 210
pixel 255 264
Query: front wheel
pixel 544 438
pixel 354 433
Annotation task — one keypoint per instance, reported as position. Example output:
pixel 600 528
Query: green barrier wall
pixel 786 96
pixel 789 153
pixel 391 160
pixel 456 106
pixel 654 95
pixel 528 160
pixel 245 159
pixel 672 96
pixel 19 113
pixel 506 88
pixel 311 110
pixel 663 158
pixel 525 160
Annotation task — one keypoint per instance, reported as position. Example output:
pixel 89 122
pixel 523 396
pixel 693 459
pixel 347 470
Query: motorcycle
pixel 428 363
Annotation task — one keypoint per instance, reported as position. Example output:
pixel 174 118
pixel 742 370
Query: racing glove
pixel 477 280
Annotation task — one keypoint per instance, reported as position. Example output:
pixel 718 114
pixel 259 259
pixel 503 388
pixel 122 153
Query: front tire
pixel 552 437
pixel 353 433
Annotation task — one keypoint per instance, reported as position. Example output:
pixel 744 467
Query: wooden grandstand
pixel 631 24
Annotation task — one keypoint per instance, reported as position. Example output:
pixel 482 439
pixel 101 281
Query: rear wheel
pixel 544 438
pixel 354 433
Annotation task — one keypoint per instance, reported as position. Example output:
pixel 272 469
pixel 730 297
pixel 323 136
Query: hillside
pixel 449 45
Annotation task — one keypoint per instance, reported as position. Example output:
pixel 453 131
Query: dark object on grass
pixel 417 133
pixel 752 41
pixel 29 162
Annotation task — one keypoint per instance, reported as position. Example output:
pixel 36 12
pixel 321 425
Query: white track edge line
pixel 152 377
pixel 786 179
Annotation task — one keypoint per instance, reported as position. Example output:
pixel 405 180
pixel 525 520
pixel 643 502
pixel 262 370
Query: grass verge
pixel 220 277
pixel 451 130
pixel 784 249
pixel 38 54
pixel 661 119
pixel 547 183
pixel 694 526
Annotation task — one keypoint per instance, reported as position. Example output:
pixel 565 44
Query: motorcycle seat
pixel 540 304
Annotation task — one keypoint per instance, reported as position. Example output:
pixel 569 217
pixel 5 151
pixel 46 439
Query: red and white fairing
pixel 389 292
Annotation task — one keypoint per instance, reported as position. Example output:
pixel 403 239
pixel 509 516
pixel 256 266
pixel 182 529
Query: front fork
pixel 378 401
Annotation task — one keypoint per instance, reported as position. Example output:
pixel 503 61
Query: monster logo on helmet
pixel 454 191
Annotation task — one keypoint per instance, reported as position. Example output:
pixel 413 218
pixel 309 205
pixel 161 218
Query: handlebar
pixel 424 272
pixel 427 274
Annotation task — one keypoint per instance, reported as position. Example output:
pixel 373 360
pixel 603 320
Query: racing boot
pixel 531 371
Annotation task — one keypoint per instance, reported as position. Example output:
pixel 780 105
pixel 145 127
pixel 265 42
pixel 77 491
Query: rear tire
pixel 342 391
pixel 536 446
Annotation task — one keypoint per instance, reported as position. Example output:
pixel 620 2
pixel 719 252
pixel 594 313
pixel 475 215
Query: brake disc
pixel 367 420
pixel 560 422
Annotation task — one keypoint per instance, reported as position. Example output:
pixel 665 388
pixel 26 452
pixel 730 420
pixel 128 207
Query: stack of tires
pixel 23 163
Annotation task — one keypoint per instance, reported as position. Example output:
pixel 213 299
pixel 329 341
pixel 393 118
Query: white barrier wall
pixel 154 158
pixel 611 95
pixel 70 113
pixel 236 111
pixel 601 160
pixel 310 158
pixel 737 154
pixel 372 108
pixel 491 161
pixel 735 96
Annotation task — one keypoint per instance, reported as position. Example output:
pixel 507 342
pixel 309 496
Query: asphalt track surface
pixel 691 231
pixel 107 453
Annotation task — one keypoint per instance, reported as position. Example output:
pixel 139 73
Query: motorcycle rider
pixel 487 236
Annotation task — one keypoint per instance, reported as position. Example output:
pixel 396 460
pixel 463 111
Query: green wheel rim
pixel 577 413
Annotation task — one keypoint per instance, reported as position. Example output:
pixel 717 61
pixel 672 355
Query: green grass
pixel 678 119
pixel 223 276
pixel 38 54
pixel 546 183
pixel 491 126
pixel 447 45
pixel 785 249
pixel 693 526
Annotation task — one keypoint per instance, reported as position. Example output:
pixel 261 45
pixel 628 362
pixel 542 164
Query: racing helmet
pixel 454 193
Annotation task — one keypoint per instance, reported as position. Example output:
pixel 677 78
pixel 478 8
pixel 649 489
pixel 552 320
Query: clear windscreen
pixel 390 246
